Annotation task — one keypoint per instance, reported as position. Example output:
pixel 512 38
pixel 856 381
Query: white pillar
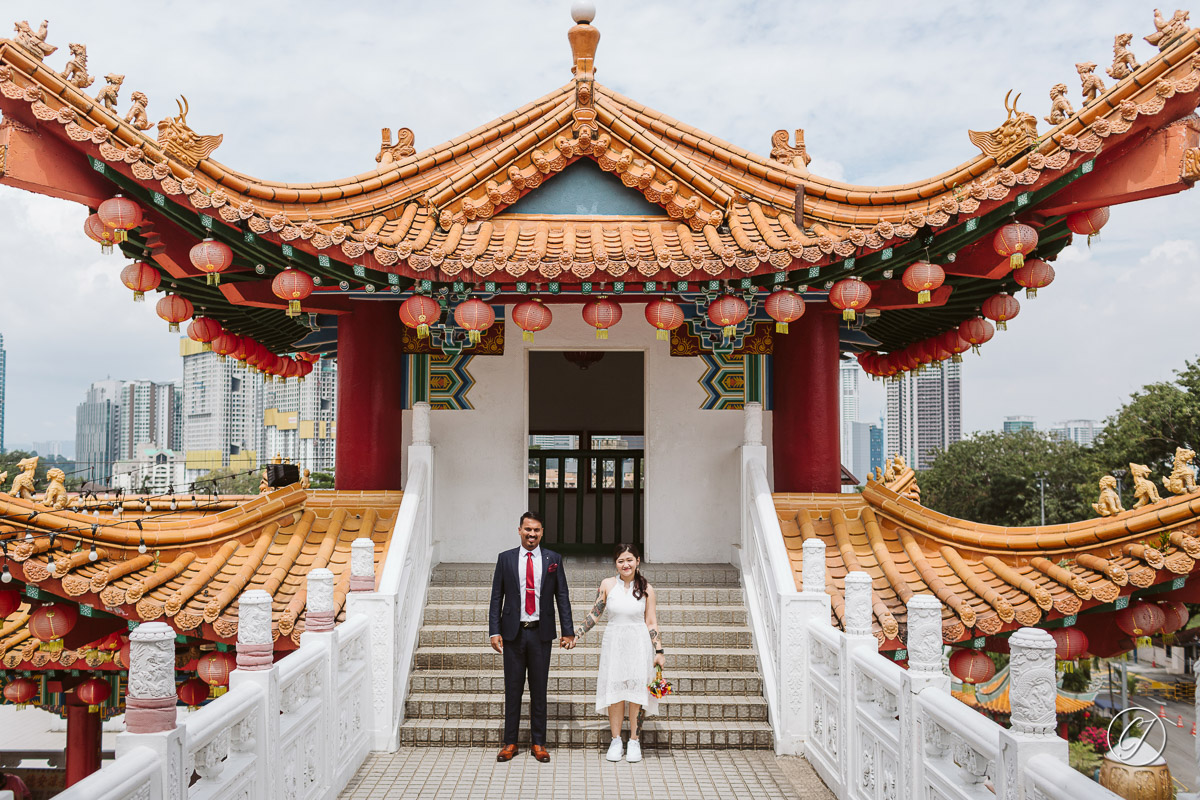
pixel 924 643
pixel 752 424
pixel 420 423
pixel 362 565
pixel 255 647
pixel 1033 688
pixel 150 706
pixel 813 567
pixel 320 633
pixel 858 605
pixel 255 665
pixel 799 611
pixel 320 614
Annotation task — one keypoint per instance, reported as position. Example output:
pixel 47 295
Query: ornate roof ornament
pixel 76 72
pixel 1166 31
pixel 1014 136
pixel 1124 62
pixel 108 95
pixel 1060 106
pixel 794 156
pixel 137 112
pixel 183 143
pixel 1092 85
pixel 35 43
pixel 403 148
pixel 584 39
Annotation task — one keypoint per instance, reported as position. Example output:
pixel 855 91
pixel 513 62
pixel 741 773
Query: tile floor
pixel 445 772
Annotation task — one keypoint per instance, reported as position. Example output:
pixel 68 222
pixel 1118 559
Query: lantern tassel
pixel 206 346
pixel 93 709
pixel 422 331
pixel 212 279
pixel 1001 325
pixel 527 336
pixel 922 297
pixel 139 297
pixel 957 359
pixel 728 331
pixel 473 337
pixel 848 315
pixel 781 327
pixel 174 326
pixel 1031 292
pixel 293 308
pixel 1016 261
pixel 601 333
pixel 969 689
pixel 119 235
pixel 662 335
pixel 106 248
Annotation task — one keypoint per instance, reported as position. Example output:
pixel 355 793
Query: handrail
pixel 1058 781
pixel 976 730
pixel 415 490
pixel 762 508
pixel 879 668
pixel 206 724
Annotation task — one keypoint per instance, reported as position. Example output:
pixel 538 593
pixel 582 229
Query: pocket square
pixel 552 568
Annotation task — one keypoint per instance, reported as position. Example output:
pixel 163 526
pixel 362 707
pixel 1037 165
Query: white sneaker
pixel 615 749
pixel 634 754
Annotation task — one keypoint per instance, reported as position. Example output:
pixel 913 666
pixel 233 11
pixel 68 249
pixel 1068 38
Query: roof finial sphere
pixel 583 12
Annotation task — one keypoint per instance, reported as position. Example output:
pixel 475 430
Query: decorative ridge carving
pixel 183 143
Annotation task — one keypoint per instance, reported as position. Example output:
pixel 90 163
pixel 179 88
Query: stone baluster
pixel 924 673
pixel 858 604
pixel 319 615
pixel 799 612
pixel 258 733
pixel 255 646
pixel 420 423
pixel 752 425
pixel 319 632
pixel 813 569
pixel 925 640
pixel 1033 688
pixel 362 565
pixel 150 702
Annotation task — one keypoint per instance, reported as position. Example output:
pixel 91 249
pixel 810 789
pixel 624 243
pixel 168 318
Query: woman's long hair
pixel 639 580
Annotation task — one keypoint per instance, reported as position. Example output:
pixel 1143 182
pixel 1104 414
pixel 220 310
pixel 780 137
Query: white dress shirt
pixel 522 559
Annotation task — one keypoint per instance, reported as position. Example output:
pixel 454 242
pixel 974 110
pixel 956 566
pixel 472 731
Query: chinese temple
pixel 581 271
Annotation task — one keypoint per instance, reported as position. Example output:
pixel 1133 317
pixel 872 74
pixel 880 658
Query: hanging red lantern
pixel 727 312
pixel 292 285
pixel 306 367
pixel 1015 241
pixel 420 312
pixel 97 231
pixel 1069 643
pixel 122 656
pixel 601 314
pixel 1035 275
pixel 1175 616
pixel 94 691
pixel 311 358
pixel 954 343
pixel 141 278
pixel 193 692
pixel 976 331
pixel 121 215
pixel 174 309
pixel 49 623
pixel 531 316
pixel 214 668
pixel 20 691
pixel 10 601
pixel 784 306
pixel 971 667
pixel 474 316
pixel 922 277
pixel 1088 223
pixel 242 351
pixel 224 344
pixel 1140 619
pixel 211 257
pixel 1001 308
pixel 850 295
pixel 665 316
pixel 204 330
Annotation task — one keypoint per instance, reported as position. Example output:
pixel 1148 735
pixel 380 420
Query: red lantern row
pixel 141 278
pixel 112 222
pixel 949 344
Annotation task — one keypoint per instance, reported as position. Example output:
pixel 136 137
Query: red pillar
pixel 83 743
pixel 804 420
pixel 369 397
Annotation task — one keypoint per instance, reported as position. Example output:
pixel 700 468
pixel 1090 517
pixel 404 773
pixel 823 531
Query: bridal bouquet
pixel 660 686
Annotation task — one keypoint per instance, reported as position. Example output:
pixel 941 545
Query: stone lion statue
pixel 1144 490
pixel 1182 479
pixel 22 485
pixel 56 490
pixel 1109 502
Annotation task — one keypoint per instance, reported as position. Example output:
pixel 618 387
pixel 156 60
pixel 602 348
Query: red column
pixel 369 397
pixel 83 743
pixel 804 420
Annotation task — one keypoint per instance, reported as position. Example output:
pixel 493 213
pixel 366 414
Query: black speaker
pixel 282 475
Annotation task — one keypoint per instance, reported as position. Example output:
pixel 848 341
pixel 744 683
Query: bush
pixel 1096 737
pixel 1084 758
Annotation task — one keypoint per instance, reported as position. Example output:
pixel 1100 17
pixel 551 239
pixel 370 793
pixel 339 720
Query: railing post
pixel 380 609
pixel 362 565
pixel 150 705
pixel 798 611
pixel 255 664
pixel 1033 688
pixel 924 613
pixel 752 424
pixel 319 632
pixel 856 625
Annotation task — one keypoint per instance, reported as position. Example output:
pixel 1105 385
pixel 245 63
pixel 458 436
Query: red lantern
pixel 10 601
pixel 784 306
pixel 976 331
pixel 97 231
pixel 174 309
pixel 49 623
pixel 1001 308
pixel 305 367
pixel 1069 643
pixel 420 312
pixel 1175 616
pixel 193 692
pixel 850 295
pixel 292 285
pixel 728 312
pixel 20 691
pixel 141 278
pixel 93 691
pixel 1015 241
pixel 531 316
pixel 971 667
pixel 922 278
pixel 1034 275
pixel 204 330
pixel 121 659
pixel 214 668
pixel 121 215
pixel 954 343
pixel 1140 619
pixel 665 316
pixel 474 316
pixel 211 257
pixel 601 314
pixel 311 358
pixel 224 344
pixel 1088 223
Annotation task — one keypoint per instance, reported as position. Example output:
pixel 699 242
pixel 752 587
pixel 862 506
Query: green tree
pixel 321 480
pixel 227 481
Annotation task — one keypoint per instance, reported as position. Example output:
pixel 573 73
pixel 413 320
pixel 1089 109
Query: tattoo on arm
pixel 594 615
pixel 654 639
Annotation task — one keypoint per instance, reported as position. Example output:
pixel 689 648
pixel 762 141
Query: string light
pixel 141 538
pixel 5 575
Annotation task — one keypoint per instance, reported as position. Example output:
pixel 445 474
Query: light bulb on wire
pixel 5 575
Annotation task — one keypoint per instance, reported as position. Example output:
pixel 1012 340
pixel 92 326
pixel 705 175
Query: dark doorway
pixel 587 447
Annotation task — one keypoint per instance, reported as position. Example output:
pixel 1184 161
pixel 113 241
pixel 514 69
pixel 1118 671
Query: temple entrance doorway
pixel 587 452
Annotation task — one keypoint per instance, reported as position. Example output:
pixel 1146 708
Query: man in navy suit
pixel 528 582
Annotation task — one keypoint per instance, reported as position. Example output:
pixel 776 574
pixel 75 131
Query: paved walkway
pixel 450 772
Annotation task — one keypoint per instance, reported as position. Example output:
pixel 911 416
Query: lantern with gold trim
pixel 420 312
pixel 1175 616
pixel 225 344
pixel 1015 241
pixel 214 668
pixel 1070 643
pixel 850 295
pixel 727 312
pixel 292 285
pixel 474 316
pixel 531 316
pixel 665 316
pixel 1036 274
pixel 141 278
pixel 601 314
pixel 1088 223
pixel 20 691
pixel 94 692
pixel 204 330
pixel 1140 620
pixel 976 331
pixel 174 309
pixel 784 306
pixel 97 231
pixel 971 667
pixel 50 623
pixel 121 215
pixel 1001 308
pixel 922 277
pixel 212 258
pixel 193 692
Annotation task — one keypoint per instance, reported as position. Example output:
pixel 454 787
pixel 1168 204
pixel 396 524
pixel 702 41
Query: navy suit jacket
pixel 508 597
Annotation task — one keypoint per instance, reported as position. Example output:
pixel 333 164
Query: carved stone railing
pixel 872 729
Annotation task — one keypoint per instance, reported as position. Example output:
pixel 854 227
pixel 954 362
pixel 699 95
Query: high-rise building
pixel 98 431
pixel 877 451
pixel 151 470
pixel 222 412
pixel 1019 423
pixel 299 418
pixel 924 413
pixel 848 376
pixel 1080 431
pixel 2 368
pixel 149 416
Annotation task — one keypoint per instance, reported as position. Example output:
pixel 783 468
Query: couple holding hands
pixel 529 581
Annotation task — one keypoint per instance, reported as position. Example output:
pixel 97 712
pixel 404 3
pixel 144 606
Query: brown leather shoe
pixel 540 753
pixel 507 752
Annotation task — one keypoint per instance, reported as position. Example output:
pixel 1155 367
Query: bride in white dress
pixel 629 652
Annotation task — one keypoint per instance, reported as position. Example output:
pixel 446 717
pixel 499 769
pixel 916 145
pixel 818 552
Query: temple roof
pixel 993 696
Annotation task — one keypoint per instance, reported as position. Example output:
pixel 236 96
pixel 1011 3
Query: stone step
pixel 580 706
pixel 733 636
pixel 567 681
pixel 482 657
pixel 657 733
pixel 661 575
pixel 677 615
pixel 582 596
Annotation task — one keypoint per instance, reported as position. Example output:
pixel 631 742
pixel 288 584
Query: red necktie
pixel 530 600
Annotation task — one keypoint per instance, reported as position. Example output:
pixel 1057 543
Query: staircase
pixel 456 696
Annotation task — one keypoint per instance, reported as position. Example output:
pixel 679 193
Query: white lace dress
pixel 626 653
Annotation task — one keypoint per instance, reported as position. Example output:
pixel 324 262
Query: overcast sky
pixel 885 92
